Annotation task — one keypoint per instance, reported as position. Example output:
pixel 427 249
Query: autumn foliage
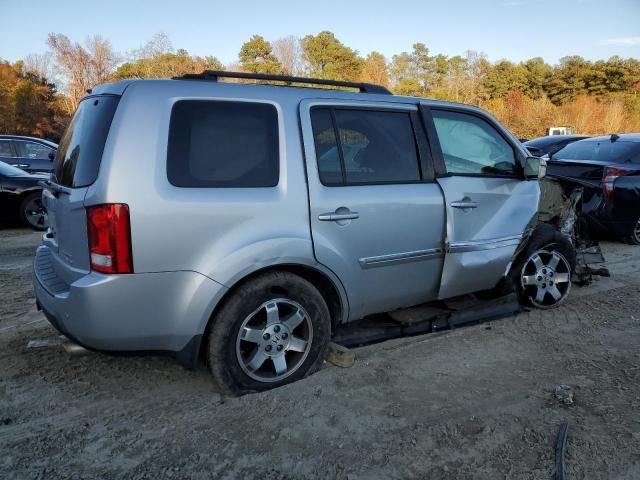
pixel 529 97
pixel 30 105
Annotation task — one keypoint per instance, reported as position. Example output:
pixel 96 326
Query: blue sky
pixel 512 29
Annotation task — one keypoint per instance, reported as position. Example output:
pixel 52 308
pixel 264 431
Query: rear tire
pixel 32 212
pixel 542 273
pixel 273 330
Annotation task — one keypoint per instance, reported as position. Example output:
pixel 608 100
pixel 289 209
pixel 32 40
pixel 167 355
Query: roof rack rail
pixel 214 75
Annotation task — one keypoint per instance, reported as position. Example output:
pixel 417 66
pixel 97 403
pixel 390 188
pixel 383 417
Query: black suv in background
pixel 608 168
pixel 27 153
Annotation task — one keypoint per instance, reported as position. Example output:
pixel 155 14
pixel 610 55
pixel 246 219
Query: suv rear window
pixel 80 151
pixel 223 144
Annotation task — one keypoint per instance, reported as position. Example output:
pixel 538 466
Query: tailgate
pixel 66 236
pixel 76 167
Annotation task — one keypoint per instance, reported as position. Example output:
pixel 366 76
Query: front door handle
pixel 464 204
pixel 337 216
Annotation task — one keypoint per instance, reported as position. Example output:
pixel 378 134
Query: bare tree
pixel 39 64
pixel 159 44
pixel 287 51
pixel 82 68
pixel 477 66
pixel 103 59
pixel 73 64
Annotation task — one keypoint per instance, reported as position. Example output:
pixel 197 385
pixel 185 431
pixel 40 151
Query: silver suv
pixel 244 222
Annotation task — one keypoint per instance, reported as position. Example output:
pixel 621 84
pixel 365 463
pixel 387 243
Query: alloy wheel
pixel 546 278
pixel 636 233
pixel 274 341
pixel 36 214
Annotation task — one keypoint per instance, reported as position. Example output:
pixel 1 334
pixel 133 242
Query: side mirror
pixel 52 156
pixel 535 167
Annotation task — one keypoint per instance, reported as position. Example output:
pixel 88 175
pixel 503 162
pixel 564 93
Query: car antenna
pixel 614 137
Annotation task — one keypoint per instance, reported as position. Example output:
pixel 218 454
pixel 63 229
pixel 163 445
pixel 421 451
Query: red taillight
pixel 609 178
pixel 109 238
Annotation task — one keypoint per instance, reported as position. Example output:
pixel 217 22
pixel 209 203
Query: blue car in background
pixel 30 154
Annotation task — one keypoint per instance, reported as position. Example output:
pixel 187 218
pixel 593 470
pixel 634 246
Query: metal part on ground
pixel 561 447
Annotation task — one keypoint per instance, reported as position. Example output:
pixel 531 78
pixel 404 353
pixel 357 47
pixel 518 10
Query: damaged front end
pixel 561 207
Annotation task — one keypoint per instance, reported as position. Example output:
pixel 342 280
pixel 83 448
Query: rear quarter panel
pixel 223 233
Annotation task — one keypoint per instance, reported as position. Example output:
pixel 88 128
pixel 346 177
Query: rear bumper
pixel 148 311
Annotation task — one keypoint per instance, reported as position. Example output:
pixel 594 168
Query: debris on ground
pixel 73 348
pixel 45 343
pixel 564 394
pixel 340 356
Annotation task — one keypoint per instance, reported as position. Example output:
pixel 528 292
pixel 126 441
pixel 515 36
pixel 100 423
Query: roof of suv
pixel 119 87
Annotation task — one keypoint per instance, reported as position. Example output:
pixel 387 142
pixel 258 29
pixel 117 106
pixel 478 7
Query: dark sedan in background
pixel 27 153
pixel 21 197
pixel 608 168
pixel 551 144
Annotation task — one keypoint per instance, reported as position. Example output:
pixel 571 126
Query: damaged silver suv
pixel 243 222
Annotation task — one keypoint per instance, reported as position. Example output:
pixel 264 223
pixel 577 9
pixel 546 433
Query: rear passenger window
pixel 470 145
pixel 357 147
pixel 223 144
pixel 5 149
pixel 33 150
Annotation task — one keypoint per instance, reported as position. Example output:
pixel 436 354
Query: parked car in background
pixel 559 131
pixel 21 197
pixel 27 153
pixel 257 218
pixel 551 144
pixel 608 168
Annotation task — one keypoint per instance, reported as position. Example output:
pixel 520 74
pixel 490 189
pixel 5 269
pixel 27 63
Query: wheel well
pixel 318 279
pixel 26 193
pixel 324 285
pixel 542 229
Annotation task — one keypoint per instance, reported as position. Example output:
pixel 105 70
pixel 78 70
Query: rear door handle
pixel 464 204
pixel 334 217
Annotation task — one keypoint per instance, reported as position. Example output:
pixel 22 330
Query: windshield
pixel 11 171
pixel 601 151
pixel 80 151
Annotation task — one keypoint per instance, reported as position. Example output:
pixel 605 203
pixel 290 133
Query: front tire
pixel 273 330
pixel 542 273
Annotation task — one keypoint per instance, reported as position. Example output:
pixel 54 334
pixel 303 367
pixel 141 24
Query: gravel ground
pixel 476 402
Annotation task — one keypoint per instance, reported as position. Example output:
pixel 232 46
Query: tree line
pixel 593 97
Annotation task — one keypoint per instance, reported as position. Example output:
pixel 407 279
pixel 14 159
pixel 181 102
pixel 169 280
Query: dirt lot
pixel 476 402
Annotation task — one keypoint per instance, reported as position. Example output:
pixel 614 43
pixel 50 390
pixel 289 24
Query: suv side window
pixel 360 147
pixel 472 146
pixel 32 150
pixel 223 144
